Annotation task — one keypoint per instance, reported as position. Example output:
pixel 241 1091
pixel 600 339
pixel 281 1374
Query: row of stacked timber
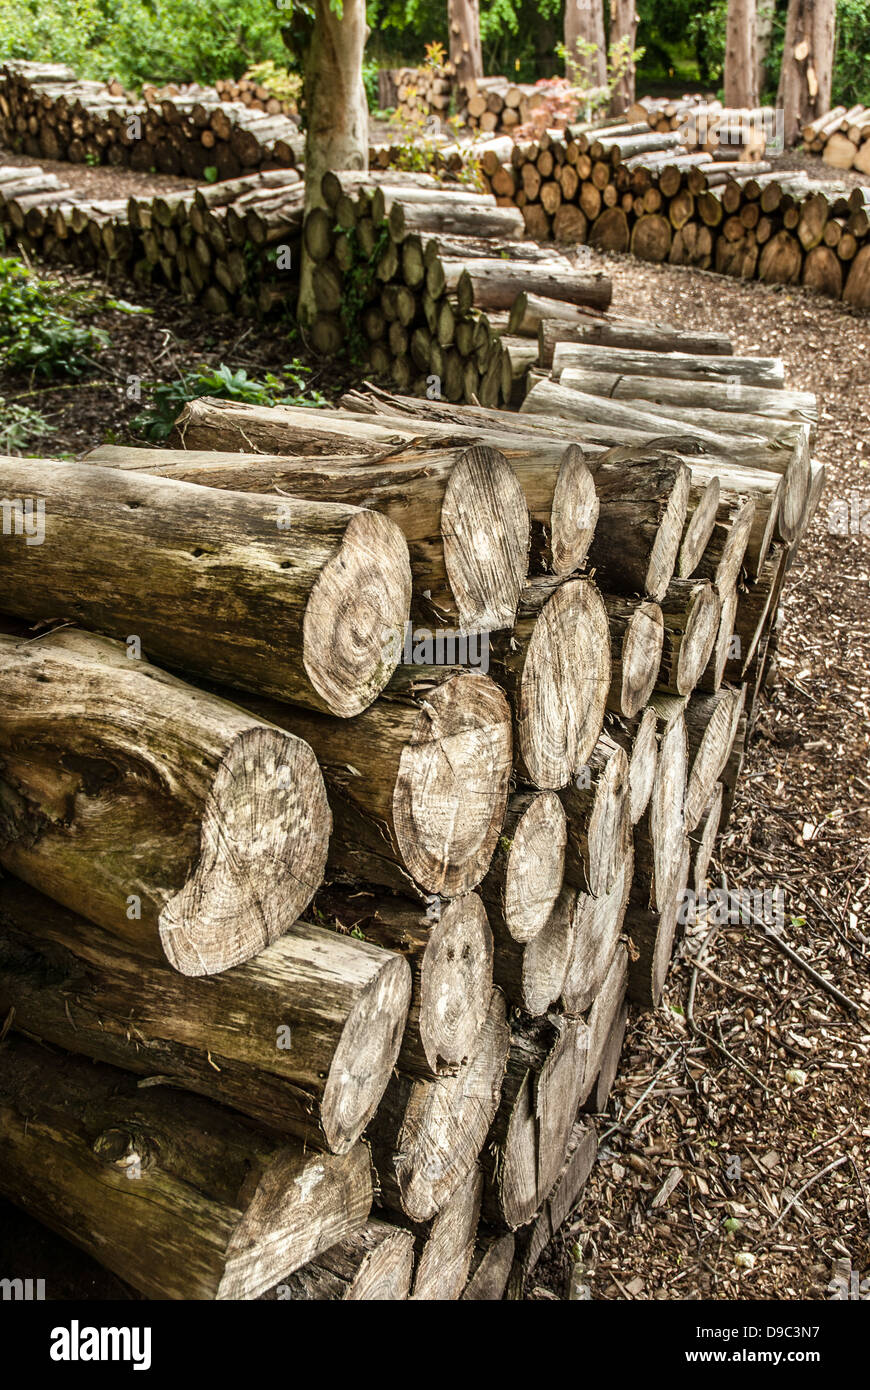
pixel 46 112
pixel 233 247
pixel 414 94
pixel 353 764
pixel 841 137
pixel 621 191
pixel 495 105
pixel 405 278
pixel 705 123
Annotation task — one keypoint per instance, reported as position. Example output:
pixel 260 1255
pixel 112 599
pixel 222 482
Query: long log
pixel 278 1038
pixel 174 820
pixel 285 597
pixel 178 1196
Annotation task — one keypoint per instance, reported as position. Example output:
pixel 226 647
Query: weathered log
pixel 703 839
pixel 491 1266
pixel 303 1037
pixel 648 337
pixel 525 877
pixel 418 783
pixel 660 833
pixel 596 809
pixel 533 975
pixel 753 371
pixel 449 950
pixel 597 925
pixel 691 611
pixel 427 1135
pixel 222 817
pixel 286 597
pixel 533 1239
pixel 372 1265
pixel 469 498
pixel 178 1196
pixel 636 637
pixel 555 666
pixel 447 1246
pixel 651 931
pixel 642 504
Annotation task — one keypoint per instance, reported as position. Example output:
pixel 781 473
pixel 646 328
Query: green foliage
pixel 167 398
pixel 358 283
pixel 285 86
pixel 35 335
pixel 370 82
pixel 144 40
pixel 19 424
pixel 852 65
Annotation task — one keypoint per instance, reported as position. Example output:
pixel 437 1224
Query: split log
pixel 660 833
pixel 703 840
pixel 276 595
pixel 223 818
pixel 638 737
pixel 178 1196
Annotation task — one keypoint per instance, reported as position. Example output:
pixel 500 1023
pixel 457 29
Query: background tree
pixel 336 110
pixel 741 54
pixel 807 63
pixel 585 46
pixel 465 53
pixel 624 20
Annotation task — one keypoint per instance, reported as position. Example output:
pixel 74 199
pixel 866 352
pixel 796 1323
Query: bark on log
pixel 303 1037
pixel 178 1196
pixel 418 783
pixel 280 596
pixel 174 820
pixel 643 495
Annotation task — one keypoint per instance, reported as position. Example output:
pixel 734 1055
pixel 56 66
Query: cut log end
pixel 456 983
pixel 355 617
pixel 574 512
pixel 535 867
pixel 485 529
pixel 265 828
pixel 451 792
pixel 666 547
pixel 641 656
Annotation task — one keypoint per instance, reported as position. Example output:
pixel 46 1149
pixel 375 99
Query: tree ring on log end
pixel 642 764
pixel 485 532
pixel 366 1054
pixel 574 512
pixel 535 867
pixel 609 824
pixel 264 838
pixel 354 621
pixel 564 686
pixel 641 656
pixel 702 625
pixel 666 546
pixel 699 529
pixel 456 984
pixel 666 807
pixel 452 787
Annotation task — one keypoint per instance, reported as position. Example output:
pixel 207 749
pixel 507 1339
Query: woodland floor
pixel 749 1108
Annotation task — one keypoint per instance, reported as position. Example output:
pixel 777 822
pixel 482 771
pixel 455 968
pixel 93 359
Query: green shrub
pixel 34 334
pixel 290 388
pixel 19 424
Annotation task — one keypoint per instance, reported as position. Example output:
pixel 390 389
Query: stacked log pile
pixel 842 138
pixel 47 113
pixel 621 191
pixel 495 105
pixel 505 841
pixel 233 247
pixel 414 94
pixel 706 123
pixel 403 267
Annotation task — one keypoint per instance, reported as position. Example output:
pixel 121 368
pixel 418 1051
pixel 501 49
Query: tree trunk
pixel 178 1196
pixel 174 820
pixel 741 55
pixel 336 110
pixel 586 52
pixel 623 34
pixel 807 64
pixel 315 1008
pixel 263 594
pixel 464 51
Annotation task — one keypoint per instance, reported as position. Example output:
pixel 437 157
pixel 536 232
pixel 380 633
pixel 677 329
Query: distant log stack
pixel 841 137
pixel 47 113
